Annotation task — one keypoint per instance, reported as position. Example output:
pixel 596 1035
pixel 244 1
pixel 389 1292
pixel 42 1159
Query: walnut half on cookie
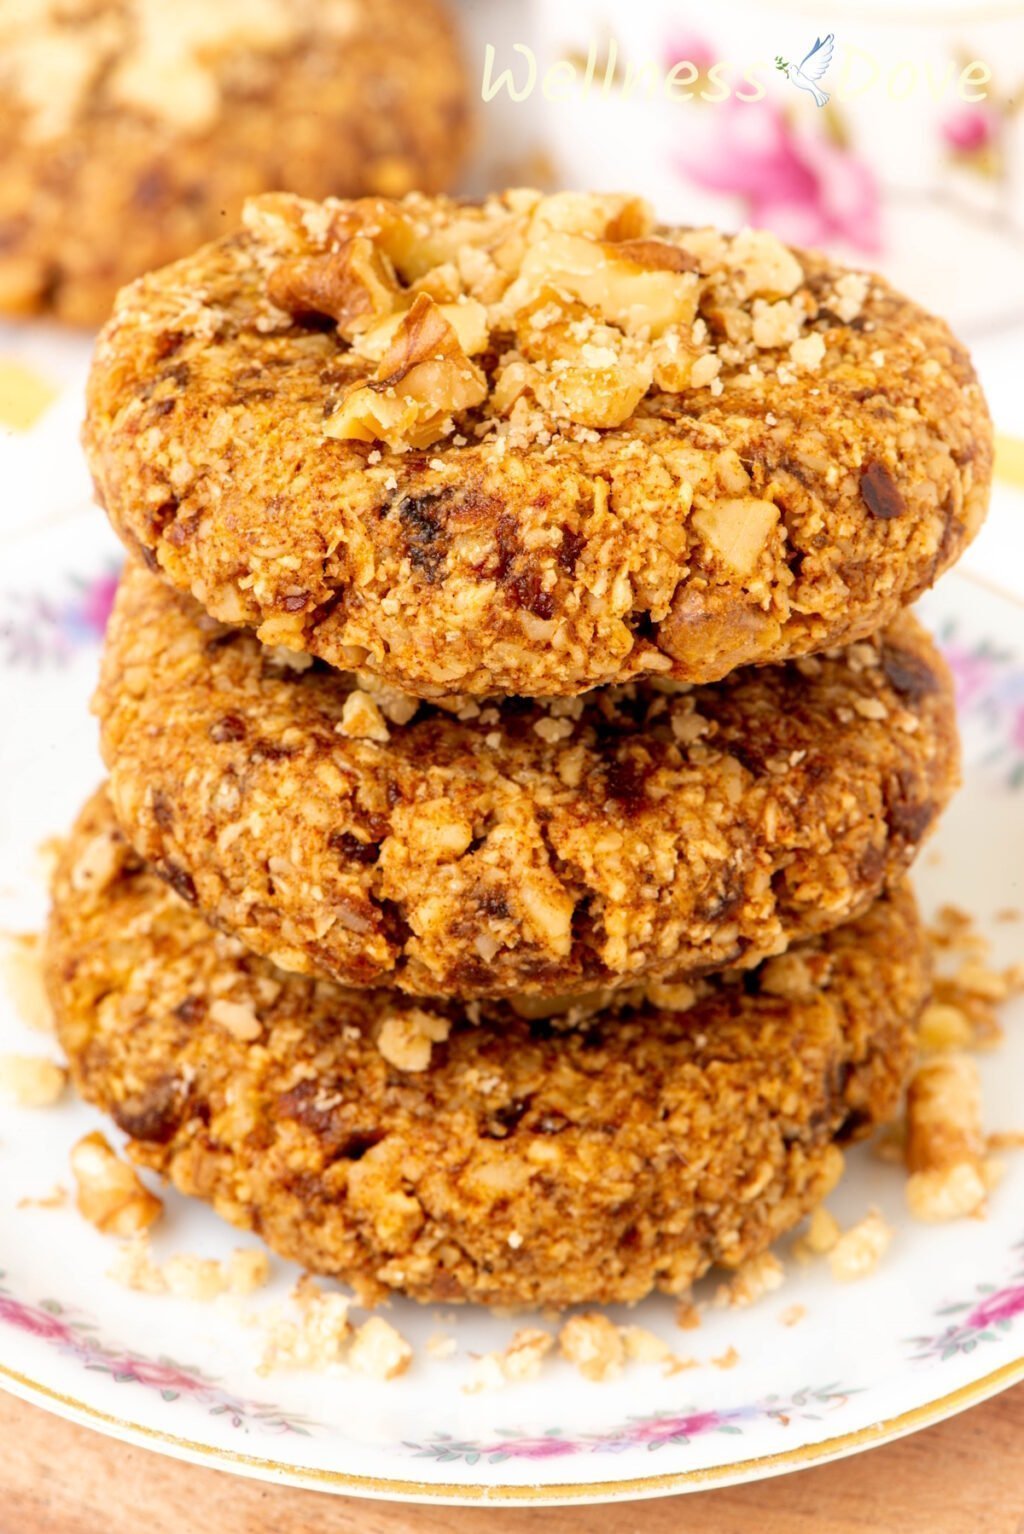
pixel 533 445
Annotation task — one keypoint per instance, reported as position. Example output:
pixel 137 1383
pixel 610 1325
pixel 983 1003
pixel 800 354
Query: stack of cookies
pixel 517 739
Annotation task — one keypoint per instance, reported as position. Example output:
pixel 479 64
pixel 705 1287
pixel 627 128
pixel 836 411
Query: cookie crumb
pixel 315 1341
pixel 645 1347
pixel 56 1199
pixel 134 1268
pixel 32 1081
pixel 379 1351
pixel 593 1345
pixel 755 1278
pixel 687 1316
pixel 727 1360
pixel 819 1238
pixel 859 1250
pixel 440 1345
pixel 792 1315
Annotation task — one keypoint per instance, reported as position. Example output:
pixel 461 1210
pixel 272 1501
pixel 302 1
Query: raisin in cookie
pixel 534 446
pixel 133 130
pixel 640 833
pixel 408 1148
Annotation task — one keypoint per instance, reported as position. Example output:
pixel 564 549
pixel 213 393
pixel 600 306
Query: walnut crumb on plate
pixel 31 1081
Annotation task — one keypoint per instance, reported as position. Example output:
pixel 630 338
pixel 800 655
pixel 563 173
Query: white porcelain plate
pixel 938 1326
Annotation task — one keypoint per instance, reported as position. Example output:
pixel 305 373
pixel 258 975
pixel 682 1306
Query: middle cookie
pixel 636 834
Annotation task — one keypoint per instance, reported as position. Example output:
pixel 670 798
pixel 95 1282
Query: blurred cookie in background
pixel 132 130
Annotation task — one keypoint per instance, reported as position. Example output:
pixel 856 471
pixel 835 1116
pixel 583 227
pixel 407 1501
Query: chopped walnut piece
pixel 577 368
pixel 737 530
pixel 850 291
pixel 134 1268
pixel 775 324
pixel 602 216
pixel 944 1026
pixel 361 719
pixel 948 1193
pixel 396 706
pixel 379 1351
pixel 525 1354
pixel 788 975
pixel 355 285
pixel 763 265
pixel 945 1145
pixel 97 864
pixel 31 1081
pixel 194 1278
pixel 248 1269
pixel 756 1277
pixel 643 291
pixel 486 1373
pixel 467 318
pixel 808 351
pixel 593 1344
pixel 238 1019
pixel 186 1276
pixel 405 1038
pixel 109 1192
pixel 819 1238
pixel 422 381
pixel 859 1249
pixel 944 1114
pixel 317 1340
pixel 643 1346
pixel 705 370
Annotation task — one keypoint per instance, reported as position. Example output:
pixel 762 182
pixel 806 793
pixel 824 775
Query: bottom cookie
pixel 418 1147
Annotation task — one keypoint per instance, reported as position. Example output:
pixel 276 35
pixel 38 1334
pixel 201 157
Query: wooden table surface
pixel 965 1476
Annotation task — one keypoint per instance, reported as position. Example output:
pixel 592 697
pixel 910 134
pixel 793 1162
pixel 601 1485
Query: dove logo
pixel 812 66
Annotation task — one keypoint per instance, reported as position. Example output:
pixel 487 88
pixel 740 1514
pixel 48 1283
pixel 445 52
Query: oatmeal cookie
pixel 536 445
pixel 408 1147
pixel 131 130
pixel 643 832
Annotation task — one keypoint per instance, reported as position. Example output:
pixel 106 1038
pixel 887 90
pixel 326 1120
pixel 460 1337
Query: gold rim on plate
pixel 761 1467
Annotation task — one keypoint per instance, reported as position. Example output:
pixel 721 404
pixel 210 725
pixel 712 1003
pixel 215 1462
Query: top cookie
pixel 535 445
pixel 133 130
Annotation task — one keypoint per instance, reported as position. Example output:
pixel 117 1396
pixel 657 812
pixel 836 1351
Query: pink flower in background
pixel 971 128
pixel 793 179
pixel 688 47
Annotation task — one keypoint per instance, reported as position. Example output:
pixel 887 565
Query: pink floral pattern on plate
pixel 987 1317
pixel 38 631
pixel 990 692
pixel 654 1432
pixel 51 1322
